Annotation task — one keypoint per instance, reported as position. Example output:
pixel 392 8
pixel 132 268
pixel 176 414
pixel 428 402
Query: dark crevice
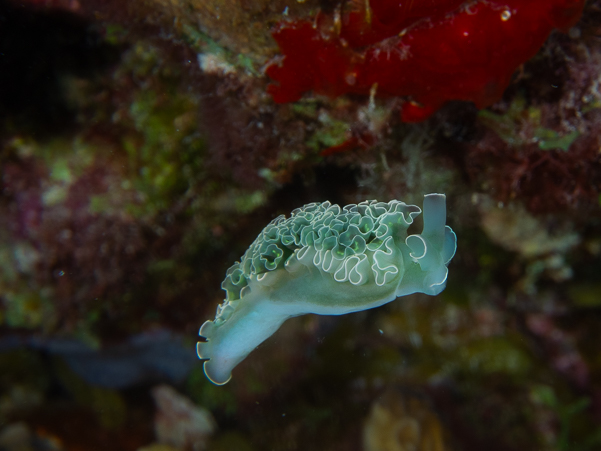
pixel 40 50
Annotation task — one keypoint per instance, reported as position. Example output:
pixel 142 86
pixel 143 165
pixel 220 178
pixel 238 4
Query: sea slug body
pixel 326 260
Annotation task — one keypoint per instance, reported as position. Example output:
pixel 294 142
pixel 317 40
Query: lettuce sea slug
pixel 325 260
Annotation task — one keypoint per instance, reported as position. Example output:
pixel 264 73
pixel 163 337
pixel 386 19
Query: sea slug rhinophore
pixel 325 260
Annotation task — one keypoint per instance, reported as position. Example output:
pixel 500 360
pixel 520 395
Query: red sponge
pixel 429 51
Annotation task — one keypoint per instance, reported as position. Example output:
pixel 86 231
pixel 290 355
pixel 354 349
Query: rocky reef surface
pixel 143 146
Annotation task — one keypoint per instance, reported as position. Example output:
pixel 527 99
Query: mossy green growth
pixel 306 108
pixel 201 42
pixel 246 63
pixel 23 303
pixel 506 125
pixel 66 159
pixel 454 338
pixel 495 355
pixel 115 34
pixel 522 125
pixel 161 165
pixel 332 132
pixel 248 202
pixel 591 103
pixel 28 308
pixel 550 139
pixel 205 45
pixel 163 150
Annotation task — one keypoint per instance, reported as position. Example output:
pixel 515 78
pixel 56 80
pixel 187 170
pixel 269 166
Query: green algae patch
pixel 551 140
pixel 248 202
pixel 167 157
pixel 306 108
pixel 161 153
pixel 521 125
pixel 331 132
pixel 495 355
pixel 214 58
pixel 506 125
pixel 66 159
pixel 29 309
